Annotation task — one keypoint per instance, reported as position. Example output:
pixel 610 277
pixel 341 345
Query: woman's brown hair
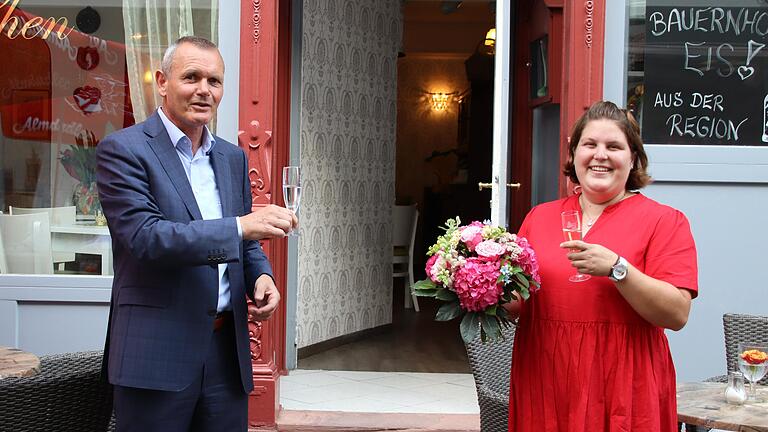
pixel 638 177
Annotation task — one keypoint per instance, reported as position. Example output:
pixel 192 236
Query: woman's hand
pixel 591 259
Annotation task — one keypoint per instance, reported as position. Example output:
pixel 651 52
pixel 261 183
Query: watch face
pixel 619 271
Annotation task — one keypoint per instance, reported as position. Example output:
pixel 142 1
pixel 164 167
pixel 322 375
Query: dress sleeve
pixel 671 253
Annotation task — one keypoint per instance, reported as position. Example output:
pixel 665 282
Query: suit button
pixel 212 312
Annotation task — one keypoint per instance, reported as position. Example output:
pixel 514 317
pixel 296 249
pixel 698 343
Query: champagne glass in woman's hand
pixel 292 190
pixel 572 231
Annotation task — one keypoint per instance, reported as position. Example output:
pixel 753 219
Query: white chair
pixel 57 216
pixel 27 243
pixel 3 264
pixel 404 221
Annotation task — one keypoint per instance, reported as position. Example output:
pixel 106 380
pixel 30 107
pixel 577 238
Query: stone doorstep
pixel 331 421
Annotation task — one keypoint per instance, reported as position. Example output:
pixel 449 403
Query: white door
pixel 501 109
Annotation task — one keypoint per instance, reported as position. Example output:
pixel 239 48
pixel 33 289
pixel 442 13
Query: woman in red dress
pixel 592 356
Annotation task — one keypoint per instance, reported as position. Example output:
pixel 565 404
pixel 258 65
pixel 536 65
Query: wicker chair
pixel 490 363
pixel 67 395
pixel 740 329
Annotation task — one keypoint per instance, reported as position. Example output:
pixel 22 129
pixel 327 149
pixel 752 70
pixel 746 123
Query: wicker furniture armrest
pixel 719 378
pixel 743 328
pixel 67 395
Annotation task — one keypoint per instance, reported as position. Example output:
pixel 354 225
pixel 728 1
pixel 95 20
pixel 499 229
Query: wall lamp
pixel 440 101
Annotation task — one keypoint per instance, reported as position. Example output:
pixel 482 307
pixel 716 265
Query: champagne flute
pixel 753 363
pixel 572 231
pixel 292 190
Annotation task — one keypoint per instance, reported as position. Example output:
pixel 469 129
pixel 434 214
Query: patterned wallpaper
pixel 348 124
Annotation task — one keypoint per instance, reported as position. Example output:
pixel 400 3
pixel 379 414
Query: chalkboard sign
pixel 706 75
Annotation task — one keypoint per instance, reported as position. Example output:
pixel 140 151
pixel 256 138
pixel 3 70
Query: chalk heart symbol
pixel 745 72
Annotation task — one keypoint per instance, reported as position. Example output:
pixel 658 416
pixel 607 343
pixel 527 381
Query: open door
pixel 526 156
pixel 535 155
pixel 550 37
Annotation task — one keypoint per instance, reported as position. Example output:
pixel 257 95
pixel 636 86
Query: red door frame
pixel 583 57
pixel 264 133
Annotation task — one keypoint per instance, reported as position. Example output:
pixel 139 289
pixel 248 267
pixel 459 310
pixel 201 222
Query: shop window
pixel 61 92
pixel 698 71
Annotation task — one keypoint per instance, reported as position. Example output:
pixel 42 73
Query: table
pixel 703 404
pixel 17 363
pixel 87 238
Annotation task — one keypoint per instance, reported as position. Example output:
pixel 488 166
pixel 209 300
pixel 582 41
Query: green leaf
pixel 492 310
pixel 446 295
pixel 449 311
pixel 524 293
pixel 490 326
pixel 425 288
pixel 523 280
pixel 424 284
pixel 470 326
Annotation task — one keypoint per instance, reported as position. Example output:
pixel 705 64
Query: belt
pixel 222 318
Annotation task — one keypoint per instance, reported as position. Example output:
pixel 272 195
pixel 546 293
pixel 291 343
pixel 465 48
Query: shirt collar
pixel 177 136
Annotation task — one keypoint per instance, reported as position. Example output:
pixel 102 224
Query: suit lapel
pixel 161 144
pixel 220 164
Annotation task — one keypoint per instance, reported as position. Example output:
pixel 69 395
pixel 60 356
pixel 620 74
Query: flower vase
pixel 86 199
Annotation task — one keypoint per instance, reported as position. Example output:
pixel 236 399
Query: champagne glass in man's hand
pixel 572 231
pixel 292 190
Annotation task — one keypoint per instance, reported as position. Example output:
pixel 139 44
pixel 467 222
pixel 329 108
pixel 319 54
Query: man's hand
pixel 267 298
pixel 268 222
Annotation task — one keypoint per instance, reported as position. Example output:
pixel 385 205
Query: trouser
pixel 213 402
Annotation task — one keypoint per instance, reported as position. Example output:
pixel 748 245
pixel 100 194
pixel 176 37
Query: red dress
pixel 584 360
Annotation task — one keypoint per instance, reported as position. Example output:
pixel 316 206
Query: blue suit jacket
pixel 165 288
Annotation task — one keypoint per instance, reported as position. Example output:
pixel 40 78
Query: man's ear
pixel 162 82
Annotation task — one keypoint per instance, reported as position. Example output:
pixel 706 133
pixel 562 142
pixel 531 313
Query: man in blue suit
pixel 186 253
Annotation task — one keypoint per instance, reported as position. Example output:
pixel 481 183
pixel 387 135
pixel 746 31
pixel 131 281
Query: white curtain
pixel 152 25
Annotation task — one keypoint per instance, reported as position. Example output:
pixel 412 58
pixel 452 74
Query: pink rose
pixel 430 268
pixel 476 284
pixel 490 249
pixel 527 260
pixel 471 236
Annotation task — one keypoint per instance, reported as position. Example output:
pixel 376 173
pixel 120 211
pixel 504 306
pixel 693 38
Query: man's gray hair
pixel 197 41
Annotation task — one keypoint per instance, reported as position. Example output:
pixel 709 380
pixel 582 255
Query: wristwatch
pixel 619 270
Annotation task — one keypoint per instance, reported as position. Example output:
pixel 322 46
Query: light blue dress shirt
pixel 203 181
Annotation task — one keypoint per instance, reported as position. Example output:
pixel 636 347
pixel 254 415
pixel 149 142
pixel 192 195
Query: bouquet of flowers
pixel 475 269
pixel 80 160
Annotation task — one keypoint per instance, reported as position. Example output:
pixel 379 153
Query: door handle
pixel 481 186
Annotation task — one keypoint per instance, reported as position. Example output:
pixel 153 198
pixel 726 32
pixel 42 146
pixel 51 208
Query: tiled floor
pixel 384 392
